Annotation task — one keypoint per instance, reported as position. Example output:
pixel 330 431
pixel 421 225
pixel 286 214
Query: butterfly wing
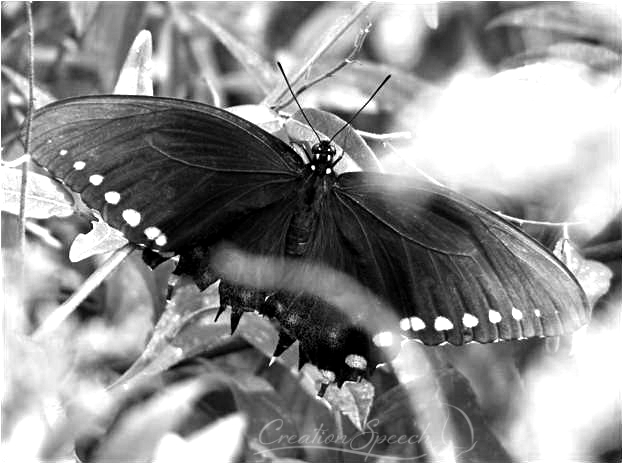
pixel 454 270
pixel 168 173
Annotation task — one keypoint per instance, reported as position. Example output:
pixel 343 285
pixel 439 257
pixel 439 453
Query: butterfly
pixel 181 178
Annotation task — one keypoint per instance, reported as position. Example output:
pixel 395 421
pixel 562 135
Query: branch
pixel 361 37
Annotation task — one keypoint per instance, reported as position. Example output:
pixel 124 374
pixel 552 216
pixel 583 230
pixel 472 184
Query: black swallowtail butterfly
pixel 179 177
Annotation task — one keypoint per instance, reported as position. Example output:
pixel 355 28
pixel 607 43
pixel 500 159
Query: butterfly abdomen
pixel 300 232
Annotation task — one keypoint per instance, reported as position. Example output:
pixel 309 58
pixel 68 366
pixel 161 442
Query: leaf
pixel 334 32
pixel 305 39
pixel 44 197
pixel 597 57
pixel 186 327
pixel 135 76
pixel 140 429
pixel 599 22
pixel 349 89
pixel 82 14
pixel 262 72
pixel 328 124
pixel 41 97
pixel 353 399
pixel 223 438
pixel 594 277
pixel 101 239
pixel 108 43
pixel 260 115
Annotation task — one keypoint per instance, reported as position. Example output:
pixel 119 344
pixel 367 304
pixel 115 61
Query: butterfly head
pixel 323 157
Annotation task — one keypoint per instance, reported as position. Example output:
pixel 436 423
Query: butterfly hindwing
pixel 457 267
pixel 167 172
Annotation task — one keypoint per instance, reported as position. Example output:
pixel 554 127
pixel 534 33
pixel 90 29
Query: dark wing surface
pixel 452 269
pixel 168 173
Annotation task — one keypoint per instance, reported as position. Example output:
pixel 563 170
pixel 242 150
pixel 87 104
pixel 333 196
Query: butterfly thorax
pixel 320 176
pixel 322 159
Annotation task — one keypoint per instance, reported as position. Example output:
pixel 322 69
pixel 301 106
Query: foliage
pixel 513 104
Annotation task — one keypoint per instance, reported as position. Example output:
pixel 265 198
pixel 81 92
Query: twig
pixel 21 219
pixel 320 51
pixel 384 137
pixel 361 37
pixel 91 283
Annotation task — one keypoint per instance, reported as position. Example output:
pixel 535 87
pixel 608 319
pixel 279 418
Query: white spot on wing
pixel 96 179
pixel 443 323
pixel 405 324
pixel 132 217
pixel 356 362
pixel 417 323
pixel 152 232
pixel 62 152
pixel 112 197
pixel 537 312
pixel 383 339
pixel 328 171
pixel 79 165
pixel 469 320
pixel 161 240
pixel 517 314
pixel 495 316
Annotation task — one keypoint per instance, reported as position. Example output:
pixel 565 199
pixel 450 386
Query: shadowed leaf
pixel 256 66
pixel 43 200
pixel 41 97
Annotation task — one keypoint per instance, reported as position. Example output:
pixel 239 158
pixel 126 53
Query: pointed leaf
pixel 135 76
pixel 101 239
pixel 44 197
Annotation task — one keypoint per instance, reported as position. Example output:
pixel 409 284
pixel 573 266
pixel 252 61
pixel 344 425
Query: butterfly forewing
pixel 167 172
pixel 452 264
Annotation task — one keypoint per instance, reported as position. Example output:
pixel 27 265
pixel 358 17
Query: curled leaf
pixel 44 198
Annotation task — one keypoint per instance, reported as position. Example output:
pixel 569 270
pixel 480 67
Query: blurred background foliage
pixel 515 104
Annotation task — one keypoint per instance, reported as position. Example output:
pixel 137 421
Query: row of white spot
pixel 131 216
pixel 443 323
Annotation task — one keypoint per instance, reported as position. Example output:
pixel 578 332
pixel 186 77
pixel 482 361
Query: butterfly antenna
pixel 361 109
pixel 297 102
